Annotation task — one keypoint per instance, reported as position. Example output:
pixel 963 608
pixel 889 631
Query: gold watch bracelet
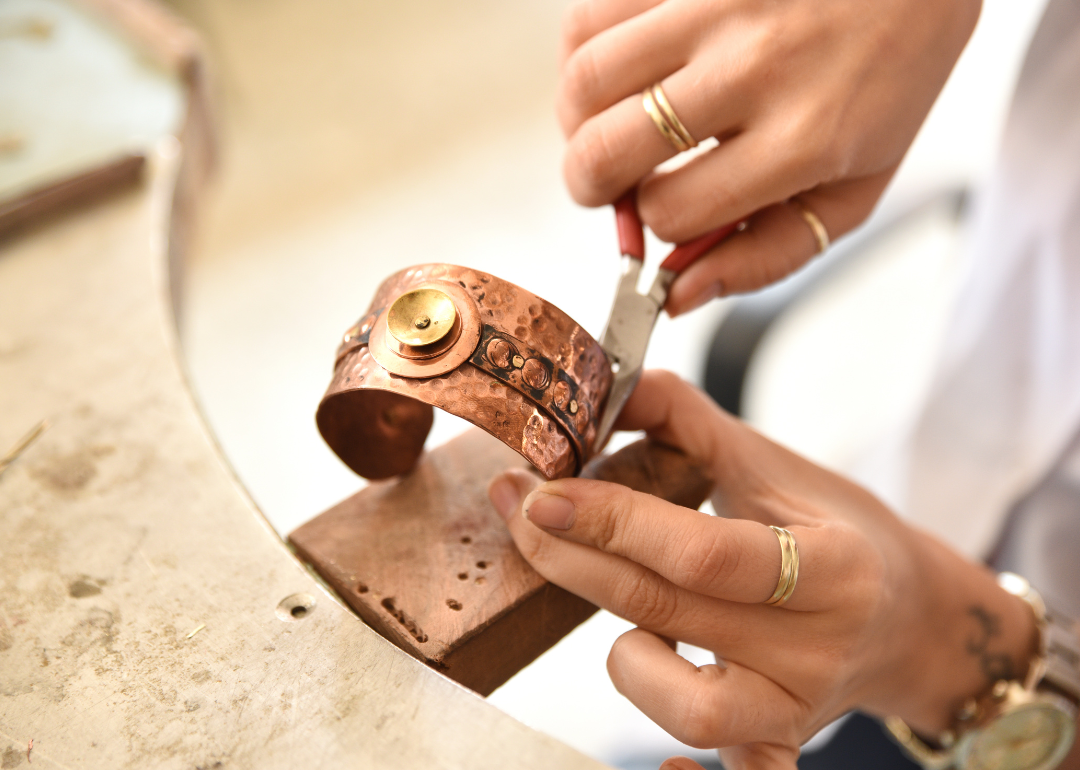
pixel 938 759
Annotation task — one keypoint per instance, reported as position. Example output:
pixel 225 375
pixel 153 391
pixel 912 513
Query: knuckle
pixel 828 661
pixel 580 79
pixel 701 564
pixel 820 158
pixel 863 568
pixel 669 218
pixel 576 24
pixel 535 548
pixel 592 162
pixel 664 220
pixel 608 526
pixel 868 589
pixel 646 602
pixel 668 380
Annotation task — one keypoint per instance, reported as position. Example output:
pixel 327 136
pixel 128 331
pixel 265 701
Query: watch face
pixel 1035 736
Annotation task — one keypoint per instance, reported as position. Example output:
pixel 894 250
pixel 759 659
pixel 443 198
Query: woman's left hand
pixel 880 617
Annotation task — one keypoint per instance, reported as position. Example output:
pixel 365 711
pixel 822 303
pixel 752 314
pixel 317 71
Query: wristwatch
pixel 1027 725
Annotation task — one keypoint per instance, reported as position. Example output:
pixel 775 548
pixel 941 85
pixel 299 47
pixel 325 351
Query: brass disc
pixel 421 317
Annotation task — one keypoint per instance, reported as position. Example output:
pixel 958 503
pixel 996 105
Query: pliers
pixel 633 315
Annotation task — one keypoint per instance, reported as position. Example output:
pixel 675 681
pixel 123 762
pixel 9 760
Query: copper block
pixel 427 562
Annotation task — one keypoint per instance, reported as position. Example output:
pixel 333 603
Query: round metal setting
pixel 426 307
pixel 421 317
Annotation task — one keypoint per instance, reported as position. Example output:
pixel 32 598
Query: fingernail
pixel 549 511
pixel 712 291
pixel 504 495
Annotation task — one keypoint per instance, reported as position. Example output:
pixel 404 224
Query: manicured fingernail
pixel 504 495
pixel 712 291
pixel 549 511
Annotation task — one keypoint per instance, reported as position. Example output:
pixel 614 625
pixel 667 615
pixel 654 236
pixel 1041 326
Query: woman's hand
pixel 882 618
pixel 814 98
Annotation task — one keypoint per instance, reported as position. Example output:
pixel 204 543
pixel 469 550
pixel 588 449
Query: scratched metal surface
pixel 144 602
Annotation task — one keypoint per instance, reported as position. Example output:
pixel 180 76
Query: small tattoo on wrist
pixel 994 665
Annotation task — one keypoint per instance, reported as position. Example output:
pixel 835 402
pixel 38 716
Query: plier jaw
pixel 633 315
pixel 626 336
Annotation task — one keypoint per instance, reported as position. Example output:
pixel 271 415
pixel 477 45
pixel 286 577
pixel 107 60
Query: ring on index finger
pixel 656 104
pixel 789 567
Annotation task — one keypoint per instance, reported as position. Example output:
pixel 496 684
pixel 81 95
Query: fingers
pixel 585 19
pixel 633 591
pixel 777 241
pixel 619 62
pixel 706 706
pixel 614 149
pixel 735 560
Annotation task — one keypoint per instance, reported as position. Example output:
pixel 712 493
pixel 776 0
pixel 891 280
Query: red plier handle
pixel 632 237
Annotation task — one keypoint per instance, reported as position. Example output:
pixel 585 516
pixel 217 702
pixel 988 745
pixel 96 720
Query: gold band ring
pixel 663 115
pixel 817 227
pixel 789 567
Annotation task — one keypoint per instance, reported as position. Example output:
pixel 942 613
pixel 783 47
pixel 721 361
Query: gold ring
pixel 789 567
pixel 817 227
pixel 663 115
pixel 669 113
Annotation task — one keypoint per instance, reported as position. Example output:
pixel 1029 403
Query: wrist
pixel 970 633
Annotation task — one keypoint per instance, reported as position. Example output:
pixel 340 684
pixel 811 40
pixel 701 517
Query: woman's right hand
pixel 818 99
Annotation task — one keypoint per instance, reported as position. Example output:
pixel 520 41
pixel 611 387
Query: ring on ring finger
pixel 817 227
pixel 789 567
pixel 656 104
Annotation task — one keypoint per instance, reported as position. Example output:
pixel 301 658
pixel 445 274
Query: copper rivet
pixel 498 352
pixel 560 393
pixel 573 407
pixel 421 317
pixel 352 334
pixel 535 374
pixel 518 362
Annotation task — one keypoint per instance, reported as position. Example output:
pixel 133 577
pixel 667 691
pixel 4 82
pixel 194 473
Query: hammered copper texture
pixel 349 410
pixel 551 430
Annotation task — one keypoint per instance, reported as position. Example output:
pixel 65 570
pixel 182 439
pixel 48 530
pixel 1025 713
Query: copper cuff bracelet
pixel 473 345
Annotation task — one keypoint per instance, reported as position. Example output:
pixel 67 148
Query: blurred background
pixel 356 138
